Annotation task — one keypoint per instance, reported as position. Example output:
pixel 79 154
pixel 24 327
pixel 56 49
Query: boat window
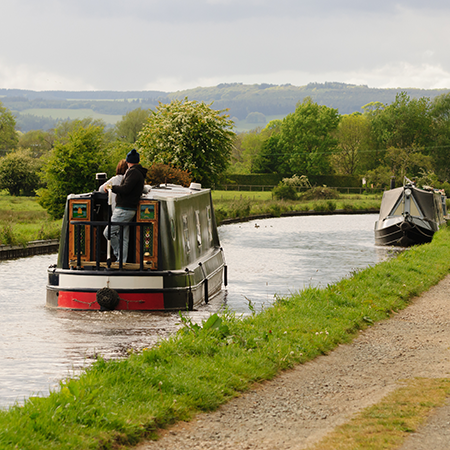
pixel 172 229
pixel 209 218
pixel 398 209
pixel 187 245
pixel 414 210
pixel 199 230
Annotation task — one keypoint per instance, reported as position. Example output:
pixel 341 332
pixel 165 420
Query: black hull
pixel 396 236
pixel 409 216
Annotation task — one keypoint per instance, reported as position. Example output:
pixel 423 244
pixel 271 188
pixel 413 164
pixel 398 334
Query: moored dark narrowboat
pixel 410 216
pixel 174 259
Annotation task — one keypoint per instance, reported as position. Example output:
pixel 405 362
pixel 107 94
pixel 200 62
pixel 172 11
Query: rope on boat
pixel 108 299
pixel 84 303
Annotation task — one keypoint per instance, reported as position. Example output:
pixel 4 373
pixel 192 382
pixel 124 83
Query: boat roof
pixel 172 191
pixel 161 192
pixel 423 197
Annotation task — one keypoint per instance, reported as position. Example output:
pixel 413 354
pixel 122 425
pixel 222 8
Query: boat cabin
pixel 174 257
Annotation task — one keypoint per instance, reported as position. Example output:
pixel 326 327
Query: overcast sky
pixel 171 45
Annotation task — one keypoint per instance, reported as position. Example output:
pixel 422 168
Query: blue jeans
pixel 120 215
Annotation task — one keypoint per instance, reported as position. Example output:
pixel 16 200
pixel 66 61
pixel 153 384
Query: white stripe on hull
pixel 67 281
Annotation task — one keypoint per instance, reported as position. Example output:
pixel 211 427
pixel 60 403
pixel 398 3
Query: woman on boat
pixel 128 194
pixel 121 168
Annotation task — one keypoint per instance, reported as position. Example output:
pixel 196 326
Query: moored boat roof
pixel 424 197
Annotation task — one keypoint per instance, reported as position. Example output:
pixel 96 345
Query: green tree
pixel 128 128
pixel 404 123
pixel 8 135
pixel 307 138
pixel 440 113
pixel 353 135
pixel 246 147
pixel 19 173
pixel 407 161
pixel 71 167
pixel 64 129
pixel 271 158
pixel 190 136
pixel 38 141
pixel 378 178
pixel 251 152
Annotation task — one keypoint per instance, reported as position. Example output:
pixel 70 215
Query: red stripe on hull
pixel 128 301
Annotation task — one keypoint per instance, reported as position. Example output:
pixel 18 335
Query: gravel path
pixel 300 406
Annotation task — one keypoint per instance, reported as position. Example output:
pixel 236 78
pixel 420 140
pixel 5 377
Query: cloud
pixel 139 44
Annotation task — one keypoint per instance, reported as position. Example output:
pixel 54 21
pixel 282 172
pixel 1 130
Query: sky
pixel 172 45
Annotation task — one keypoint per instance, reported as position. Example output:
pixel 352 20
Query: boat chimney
pixel 195 187
pixel 392 182
pixel 100 178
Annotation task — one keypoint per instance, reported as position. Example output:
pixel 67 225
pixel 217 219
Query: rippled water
pixel 273 256
pixel 281 256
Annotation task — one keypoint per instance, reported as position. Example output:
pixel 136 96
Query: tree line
pixel 252 103
pixel 181 141
pixel 408 137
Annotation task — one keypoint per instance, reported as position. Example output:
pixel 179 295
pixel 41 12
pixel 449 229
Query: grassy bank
pixel 233 204
pixel 22 220
pixel 115 404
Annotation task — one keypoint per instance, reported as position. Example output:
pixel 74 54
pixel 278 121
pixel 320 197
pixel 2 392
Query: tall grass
pixel 116 403
pixel 233 204
pixel 22 220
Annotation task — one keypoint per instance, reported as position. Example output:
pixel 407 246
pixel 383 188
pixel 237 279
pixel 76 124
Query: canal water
pixel 265 258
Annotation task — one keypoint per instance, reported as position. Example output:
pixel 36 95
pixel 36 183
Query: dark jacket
pixel 130 190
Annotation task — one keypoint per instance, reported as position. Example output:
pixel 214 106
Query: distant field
pixel 242 125
pixel 72 114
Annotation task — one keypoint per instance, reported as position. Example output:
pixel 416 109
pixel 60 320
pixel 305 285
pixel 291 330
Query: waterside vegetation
pixel 22 219
pixel 115 404
pixel 250 204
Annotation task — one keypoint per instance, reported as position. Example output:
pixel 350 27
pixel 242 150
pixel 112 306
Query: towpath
pixel 302 405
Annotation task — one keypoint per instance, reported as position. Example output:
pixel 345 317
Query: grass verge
pixel 115 404
pixel 233 204
pixel 22 220
pixel 387 424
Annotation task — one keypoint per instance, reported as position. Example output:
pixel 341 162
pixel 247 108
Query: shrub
pixel 164 173
pixel 320 193
pixel 284 192
pixel 330 205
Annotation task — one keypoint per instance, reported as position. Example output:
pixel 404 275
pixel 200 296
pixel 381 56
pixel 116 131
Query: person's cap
pixel 133 157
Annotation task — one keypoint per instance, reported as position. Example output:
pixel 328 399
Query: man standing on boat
pixel 128 194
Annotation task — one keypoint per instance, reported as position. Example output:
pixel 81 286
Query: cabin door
pixel 147 233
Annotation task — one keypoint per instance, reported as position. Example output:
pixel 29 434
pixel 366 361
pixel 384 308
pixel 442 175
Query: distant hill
pixel 249 105
pixel 270 99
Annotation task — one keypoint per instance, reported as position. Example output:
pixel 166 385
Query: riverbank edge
pixel 41 247
pixel 49 246
pixel 298 213
pixel 116 404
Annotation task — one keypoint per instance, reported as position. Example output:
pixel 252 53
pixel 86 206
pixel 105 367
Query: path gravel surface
pixel 302 405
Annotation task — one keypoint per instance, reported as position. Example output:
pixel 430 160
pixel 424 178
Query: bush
pixel 284 192
pixel 19 173
pixel 320 193
pixel 163 174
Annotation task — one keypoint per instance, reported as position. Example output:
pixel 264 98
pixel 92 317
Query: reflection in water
pixel 281 256
pixel 40 346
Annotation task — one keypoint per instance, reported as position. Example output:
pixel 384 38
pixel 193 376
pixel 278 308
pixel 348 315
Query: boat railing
pixel 98 226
